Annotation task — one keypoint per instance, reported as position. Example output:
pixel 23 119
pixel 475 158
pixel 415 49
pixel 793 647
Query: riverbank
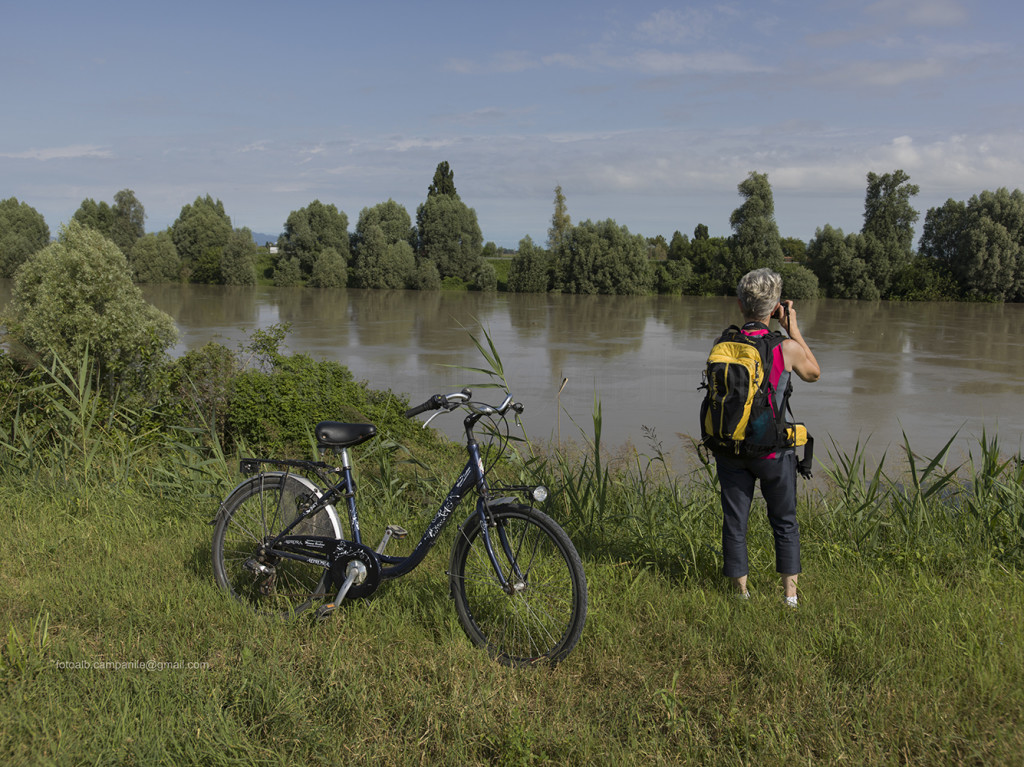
pixel 905 647
pixel 119 648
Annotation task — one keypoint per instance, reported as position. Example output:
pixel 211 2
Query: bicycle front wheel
pixel 252 516
pixel 539 615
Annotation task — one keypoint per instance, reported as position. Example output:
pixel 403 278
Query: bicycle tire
pixel 256 511
pixel 542 618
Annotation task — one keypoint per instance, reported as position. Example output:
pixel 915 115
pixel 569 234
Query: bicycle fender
pixel 313 489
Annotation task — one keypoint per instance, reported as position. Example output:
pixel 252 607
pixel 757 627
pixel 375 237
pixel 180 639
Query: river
pixel 929 370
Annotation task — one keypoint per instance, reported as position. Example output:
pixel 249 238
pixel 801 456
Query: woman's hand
pixel 785 315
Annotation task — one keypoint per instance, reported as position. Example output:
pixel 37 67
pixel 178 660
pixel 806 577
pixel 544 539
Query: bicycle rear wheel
pixel 540 616
pixel 256 512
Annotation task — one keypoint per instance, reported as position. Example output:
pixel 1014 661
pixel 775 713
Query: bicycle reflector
pixel 539 494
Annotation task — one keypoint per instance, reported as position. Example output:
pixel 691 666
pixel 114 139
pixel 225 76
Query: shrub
pixel 798 282
pixel 75 298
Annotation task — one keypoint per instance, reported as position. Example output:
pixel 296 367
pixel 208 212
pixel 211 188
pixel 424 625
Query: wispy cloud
pixel 643 61
pixel 715 62
pixel 675 26
pixel 886 74
pixel 74 152
pixel 934 13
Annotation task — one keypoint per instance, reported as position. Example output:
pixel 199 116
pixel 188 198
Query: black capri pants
pixel 777 476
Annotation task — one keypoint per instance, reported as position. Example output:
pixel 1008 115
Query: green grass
pixel 888 660
pixel 117 648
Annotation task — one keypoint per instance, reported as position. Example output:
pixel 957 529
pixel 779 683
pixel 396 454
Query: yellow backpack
pixel 740 415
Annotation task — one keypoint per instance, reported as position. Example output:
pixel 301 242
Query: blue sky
pixel 650 113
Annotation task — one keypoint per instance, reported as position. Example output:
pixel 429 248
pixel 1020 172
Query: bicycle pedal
pixel 324 611
pixel 391 531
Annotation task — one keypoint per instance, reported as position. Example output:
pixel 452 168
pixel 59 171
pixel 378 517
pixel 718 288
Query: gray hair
pixel 759 292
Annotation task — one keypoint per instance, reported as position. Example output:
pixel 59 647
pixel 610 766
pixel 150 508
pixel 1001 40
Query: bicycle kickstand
pixel 355 573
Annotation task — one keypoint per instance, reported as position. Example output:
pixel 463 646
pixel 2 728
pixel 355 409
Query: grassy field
pixel 906 648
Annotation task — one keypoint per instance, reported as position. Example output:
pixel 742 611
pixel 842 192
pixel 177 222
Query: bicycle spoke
pixel 540 615
pixel 251 518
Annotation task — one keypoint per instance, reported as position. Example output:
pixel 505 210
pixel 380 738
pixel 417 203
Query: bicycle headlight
pixel 539 494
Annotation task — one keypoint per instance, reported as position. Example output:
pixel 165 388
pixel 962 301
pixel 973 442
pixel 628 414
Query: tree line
pixel 971 250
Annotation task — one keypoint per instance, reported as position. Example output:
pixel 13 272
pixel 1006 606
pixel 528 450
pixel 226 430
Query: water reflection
pixel 926 369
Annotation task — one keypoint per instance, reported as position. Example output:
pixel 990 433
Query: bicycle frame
pixel 472 475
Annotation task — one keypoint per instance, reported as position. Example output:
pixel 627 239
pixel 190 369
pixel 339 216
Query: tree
pixel 155 259
pixel 838 261
pixel 982 242
pixel 604 258
pixel 888 226
pixel 992 266
pixel 288 273
pixel 673 277
pixel 657 248
pixel 426 276
pixel 329 270
pixel 561 223
pixel 23 231
pixel 943 229
pixel 484 277
pixel 123 222
pixel 238 259
pixel 756 242
pixel 206 269
pixel 679 247
pixel 311 230
pixel 392 218
pixel 798 282
pixel 926 279
pixel 794 249
pixel 530 271
pixel 200 233
pixel 129 221
pixel 711 257
pixel 449 236
pixel 76 297
pixel 444 181
pixel 383 255
pixel 380 264
pixel 95 215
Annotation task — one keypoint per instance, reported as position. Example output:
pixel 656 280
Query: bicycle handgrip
pixel 434 403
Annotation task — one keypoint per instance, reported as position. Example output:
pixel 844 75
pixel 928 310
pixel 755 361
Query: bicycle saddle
pixel 337 434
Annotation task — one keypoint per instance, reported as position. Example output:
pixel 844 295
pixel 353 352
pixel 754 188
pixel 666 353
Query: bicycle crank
pixel 355 574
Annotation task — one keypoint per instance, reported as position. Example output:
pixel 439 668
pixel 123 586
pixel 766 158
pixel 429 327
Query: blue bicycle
pixel 514 574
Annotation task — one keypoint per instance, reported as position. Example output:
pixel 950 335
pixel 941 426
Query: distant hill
pixel 262 239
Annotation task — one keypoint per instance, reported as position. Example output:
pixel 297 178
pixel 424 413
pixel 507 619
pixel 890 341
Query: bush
pixel 278 409
pixel 75 298
pixel 200 387
pixel 798 282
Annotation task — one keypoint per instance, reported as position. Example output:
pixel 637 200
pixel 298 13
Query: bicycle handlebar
pixel 452 401
pixel 439 401
pixel 434 403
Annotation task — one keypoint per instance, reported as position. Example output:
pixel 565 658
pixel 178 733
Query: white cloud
pixel 660 62
pixel 935 13
pixel 73 152
pixel 256 146
pixel 675 26
pixel 884 74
